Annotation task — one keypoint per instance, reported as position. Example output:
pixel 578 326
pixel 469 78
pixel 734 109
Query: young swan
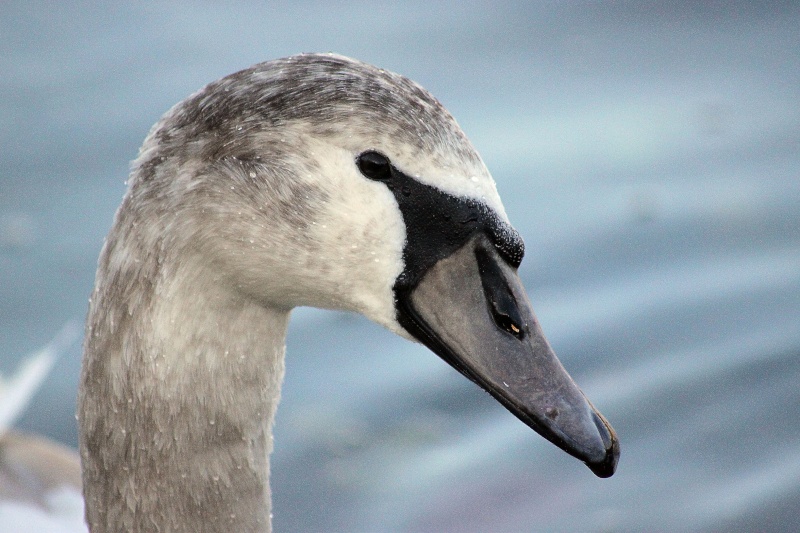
pixel 313 180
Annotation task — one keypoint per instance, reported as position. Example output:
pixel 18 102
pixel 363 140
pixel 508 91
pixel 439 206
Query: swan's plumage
pixel 249 198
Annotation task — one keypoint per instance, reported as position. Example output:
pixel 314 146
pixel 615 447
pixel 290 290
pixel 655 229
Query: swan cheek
pixel 357 236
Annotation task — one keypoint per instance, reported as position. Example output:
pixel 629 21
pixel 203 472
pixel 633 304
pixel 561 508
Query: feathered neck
pixel 179 387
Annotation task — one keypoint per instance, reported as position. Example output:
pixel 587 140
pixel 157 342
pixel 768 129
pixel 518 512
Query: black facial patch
pixel 437 223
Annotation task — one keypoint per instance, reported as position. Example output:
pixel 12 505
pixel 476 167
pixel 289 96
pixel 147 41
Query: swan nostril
pixel 499 298
pixel 506 322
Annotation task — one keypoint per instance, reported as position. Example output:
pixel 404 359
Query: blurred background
pixel 649 154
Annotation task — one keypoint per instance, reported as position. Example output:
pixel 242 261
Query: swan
pixel 312 180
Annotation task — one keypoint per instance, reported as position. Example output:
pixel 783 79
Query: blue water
pixel 649 154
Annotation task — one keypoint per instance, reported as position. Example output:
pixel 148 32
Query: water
pixel 649 155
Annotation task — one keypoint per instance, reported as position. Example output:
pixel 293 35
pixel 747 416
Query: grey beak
pixel 472 310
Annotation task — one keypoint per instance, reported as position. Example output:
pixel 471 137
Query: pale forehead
pixel 362 106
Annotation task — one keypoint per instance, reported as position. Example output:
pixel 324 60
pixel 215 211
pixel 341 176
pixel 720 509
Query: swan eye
pixel 375 166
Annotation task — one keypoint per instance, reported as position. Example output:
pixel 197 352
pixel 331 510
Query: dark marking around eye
pixel 437 223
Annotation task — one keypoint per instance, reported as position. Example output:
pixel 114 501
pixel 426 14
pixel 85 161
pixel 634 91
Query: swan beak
pixel 471 309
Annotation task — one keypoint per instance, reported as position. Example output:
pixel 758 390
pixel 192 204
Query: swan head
pixel 322 181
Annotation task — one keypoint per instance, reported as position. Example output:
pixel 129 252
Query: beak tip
pixel 608 465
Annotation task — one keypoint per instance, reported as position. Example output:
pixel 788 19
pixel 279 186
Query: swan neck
pixel 180 381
